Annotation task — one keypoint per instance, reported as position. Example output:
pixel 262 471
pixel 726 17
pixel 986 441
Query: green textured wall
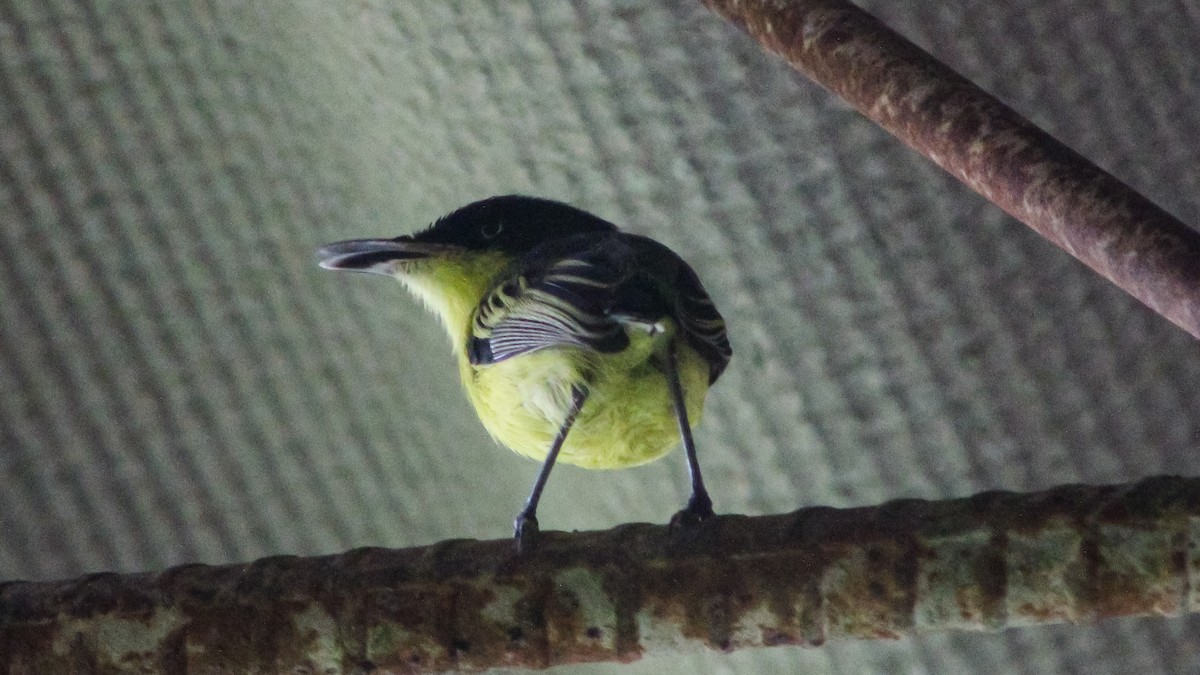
pixel 179 382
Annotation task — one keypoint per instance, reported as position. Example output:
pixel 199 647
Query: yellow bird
pixel 575 342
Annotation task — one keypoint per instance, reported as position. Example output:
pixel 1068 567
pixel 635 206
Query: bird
pixel 575 342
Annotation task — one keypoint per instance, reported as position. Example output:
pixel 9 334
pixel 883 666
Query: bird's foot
pixel 699 509
pixel 525 533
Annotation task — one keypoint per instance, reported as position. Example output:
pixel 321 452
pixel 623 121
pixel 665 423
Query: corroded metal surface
pixel 989 562
pixel 1089 213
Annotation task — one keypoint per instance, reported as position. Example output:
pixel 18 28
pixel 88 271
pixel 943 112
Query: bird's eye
pixel 490 230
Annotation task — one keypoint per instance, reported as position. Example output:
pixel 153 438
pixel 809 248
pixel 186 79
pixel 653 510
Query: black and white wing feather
pixel 702 324
pixel 588 298
pixel 566 304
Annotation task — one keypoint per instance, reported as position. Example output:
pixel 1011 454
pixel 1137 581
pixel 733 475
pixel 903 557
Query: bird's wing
pixel 588 299
pixel 567 303
pixel 702 323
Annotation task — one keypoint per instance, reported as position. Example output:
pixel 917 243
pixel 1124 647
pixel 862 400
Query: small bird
pixel 575 342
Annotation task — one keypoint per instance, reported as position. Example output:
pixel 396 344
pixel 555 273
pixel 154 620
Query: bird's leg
pixel 699 506
pixel 525 529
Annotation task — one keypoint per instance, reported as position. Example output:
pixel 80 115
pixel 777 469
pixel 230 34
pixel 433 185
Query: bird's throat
pixel 452 288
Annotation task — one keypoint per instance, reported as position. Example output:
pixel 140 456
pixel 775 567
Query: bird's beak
pixel 378 256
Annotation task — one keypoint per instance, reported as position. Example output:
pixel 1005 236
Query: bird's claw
pixel 525 533
pixel 699 509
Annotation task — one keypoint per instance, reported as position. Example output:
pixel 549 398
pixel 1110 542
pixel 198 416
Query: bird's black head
pixel 511 224
pixel 514 224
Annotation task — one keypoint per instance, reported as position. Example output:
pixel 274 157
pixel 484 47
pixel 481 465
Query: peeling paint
pixel 317 630
pixel 594 610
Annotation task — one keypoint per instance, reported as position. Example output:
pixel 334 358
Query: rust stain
pixel 987 562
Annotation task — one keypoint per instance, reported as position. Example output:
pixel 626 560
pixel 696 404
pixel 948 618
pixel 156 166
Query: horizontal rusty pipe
pixel 989 562
pixel 1093 216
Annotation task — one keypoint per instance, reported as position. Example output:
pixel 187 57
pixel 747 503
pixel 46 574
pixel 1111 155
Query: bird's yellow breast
pixel 626 420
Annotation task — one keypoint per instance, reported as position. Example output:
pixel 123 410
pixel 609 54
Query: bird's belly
pixel 626 420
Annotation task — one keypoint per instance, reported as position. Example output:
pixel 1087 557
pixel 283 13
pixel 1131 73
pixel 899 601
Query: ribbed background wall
pixel 179 382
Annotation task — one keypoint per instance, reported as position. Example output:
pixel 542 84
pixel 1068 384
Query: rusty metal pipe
pixel 1070 201
pixel 993 561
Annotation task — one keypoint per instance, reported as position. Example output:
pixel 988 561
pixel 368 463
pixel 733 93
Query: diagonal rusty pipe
pixel 1070 201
